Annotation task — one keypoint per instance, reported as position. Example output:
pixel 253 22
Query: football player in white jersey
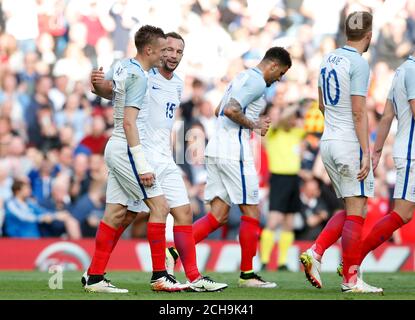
pixel 400 104
pixel 155 122
pixel 130 175
pixel 343 85
pixel 232 177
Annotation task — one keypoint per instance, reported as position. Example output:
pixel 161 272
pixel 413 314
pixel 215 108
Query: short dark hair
pixel 197 83
pixel 279 54
pixel 357 24
pixel 17 185
pixel 175 35
pixel 146 35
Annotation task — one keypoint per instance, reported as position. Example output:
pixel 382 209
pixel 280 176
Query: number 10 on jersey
pixel 326 86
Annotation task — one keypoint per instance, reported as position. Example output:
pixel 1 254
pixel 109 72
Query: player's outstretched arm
pixel 101 87
pixel 382 132
pixel 360 120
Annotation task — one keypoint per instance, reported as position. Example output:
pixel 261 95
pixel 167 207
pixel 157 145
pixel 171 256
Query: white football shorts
pixel 123 182
pixel 405 179
pixel 342 162
pixel 169 177
pixel 233 181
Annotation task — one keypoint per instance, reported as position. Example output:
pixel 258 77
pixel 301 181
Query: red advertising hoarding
pixel 220 256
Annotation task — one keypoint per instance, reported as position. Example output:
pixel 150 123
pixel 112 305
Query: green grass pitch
pixel 291 286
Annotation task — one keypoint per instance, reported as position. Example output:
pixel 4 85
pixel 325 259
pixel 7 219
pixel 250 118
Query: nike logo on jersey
pixel 156 88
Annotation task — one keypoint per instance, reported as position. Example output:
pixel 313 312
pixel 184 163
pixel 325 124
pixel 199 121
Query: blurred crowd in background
pixel 53 130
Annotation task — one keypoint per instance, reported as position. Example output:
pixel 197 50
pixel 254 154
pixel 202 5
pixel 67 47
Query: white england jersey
pixel 156 117
pixel 129 90
pixel 230 140
pixel 343 73
pixel 403 90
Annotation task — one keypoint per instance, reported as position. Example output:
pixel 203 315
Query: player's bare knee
pixel 251 211
pixel 223 221
pixel 222 218
pixel 182 215
pixel 404 209
pixel 407 216
pixel 163 208
pixel 114 218
pixel 159 207
pixel 119 216
pixel 188 213
pixel 128 218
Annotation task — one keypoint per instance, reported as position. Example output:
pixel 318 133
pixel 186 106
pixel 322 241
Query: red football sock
pixel 185 245
pixel 248 239
pixel 331 233
pixel 104 242
pixel 118 234
pixel 381 232
pixel 203 226
pixel 352 247
pixel 156 235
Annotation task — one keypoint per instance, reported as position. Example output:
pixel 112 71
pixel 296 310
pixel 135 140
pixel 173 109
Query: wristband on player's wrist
pixel 140 161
